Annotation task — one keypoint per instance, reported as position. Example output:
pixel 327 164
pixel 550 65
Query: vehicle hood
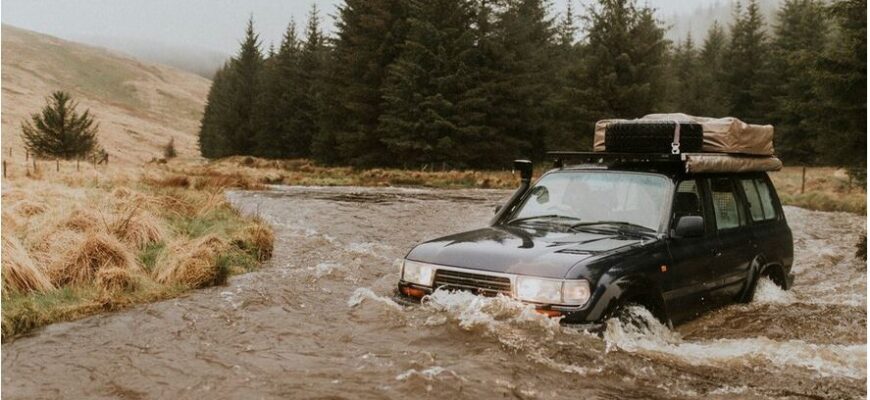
pixel 520 250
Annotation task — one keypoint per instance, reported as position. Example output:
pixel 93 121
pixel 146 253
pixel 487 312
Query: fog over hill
pixel 199 60
pixel 139 106
pixel 698 20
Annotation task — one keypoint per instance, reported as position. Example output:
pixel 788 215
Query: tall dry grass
pixel 74 246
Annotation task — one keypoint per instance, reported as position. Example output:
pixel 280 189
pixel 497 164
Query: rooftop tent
pixel 720 135
pixel 703 145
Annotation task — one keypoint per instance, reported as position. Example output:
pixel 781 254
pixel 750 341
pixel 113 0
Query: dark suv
pixel 590 238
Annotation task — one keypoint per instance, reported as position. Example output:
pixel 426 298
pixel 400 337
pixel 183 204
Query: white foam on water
pixel 325 268
pixel 363 294
pixel 768 291
pixel 513 323
pixel 427 374
pixel 473 311
pixel 649 335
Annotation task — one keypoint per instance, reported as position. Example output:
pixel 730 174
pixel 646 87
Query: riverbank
pixel 824 189
pixel 87 240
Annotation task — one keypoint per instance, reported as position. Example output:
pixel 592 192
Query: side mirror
pixel 525 167
pixel 689 226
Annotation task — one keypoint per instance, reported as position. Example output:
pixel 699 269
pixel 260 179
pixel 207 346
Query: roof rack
pixel 584 157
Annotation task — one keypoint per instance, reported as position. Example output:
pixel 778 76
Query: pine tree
pixel 314 58
pixel 59 131
pixel 690 91
pixel 520 75
pixel 213 133
pixel 799 35
pixel 244 78
pixel 279 97
pixel 746 74
pixel 228 124
pixel 625 59
pixel 841 118
pixel 711 60
pixel 567 117
pixel 422 123
pixel 369 35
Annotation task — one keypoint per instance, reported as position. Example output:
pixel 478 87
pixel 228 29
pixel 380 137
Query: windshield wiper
pixel 622 227
pixel 547 216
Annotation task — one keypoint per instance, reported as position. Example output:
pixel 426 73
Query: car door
pixel 770 233
pixel 685 283
pixel 736 247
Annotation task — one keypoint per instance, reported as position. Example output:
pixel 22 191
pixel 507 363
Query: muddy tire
pixel 749 294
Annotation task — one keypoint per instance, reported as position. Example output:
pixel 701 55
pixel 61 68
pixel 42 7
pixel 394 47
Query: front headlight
pixel 553 291
pixel 417 272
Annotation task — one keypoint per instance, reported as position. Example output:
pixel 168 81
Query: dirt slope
pixel 139 106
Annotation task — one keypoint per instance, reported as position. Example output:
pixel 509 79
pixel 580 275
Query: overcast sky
pixel 215 25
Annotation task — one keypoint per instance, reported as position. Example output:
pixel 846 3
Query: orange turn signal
pixel 549 313
pixel 413 292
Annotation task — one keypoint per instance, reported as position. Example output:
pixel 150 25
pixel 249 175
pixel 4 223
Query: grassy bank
pixel 79 243
pixel 826 189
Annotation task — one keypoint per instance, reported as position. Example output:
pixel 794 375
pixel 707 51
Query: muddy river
pixel 318 322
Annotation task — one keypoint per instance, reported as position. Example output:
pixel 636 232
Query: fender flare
pixel 635 287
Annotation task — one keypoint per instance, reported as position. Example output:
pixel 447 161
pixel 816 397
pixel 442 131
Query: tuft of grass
pixel 149 255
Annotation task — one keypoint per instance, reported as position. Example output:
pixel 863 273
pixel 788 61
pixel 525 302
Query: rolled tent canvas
pixel 699 163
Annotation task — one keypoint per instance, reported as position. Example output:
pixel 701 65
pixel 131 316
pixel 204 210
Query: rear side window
pixel 766 198
pixel 756 210
pixel 725 206
pixel 760 199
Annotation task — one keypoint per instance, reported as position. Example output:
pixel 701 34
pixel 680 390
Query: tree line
pixel 477 83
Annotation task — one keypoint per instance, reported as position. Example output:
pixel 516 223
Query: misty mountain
pixel 201 61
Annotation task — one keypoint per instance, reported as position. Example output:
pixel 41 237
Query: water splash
pixel 644 333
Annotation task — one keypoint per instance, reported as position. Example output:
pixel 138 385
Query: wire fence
pixel 31 164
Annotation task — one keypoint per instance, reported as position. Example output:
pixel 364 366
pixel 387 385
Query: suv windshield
pixel 589 198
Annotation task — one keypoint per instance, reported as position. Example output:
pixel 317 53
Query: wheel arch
pixel 637 289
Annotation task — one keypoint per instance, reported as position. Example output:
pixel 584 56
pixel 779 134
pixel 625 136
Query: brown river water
pixel 318 322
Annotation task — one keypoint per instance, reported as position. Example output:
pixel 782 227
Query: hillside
pixel 139 106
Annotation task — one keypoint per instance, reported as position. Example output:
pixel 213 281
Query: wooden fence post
pixel 4 169
pixel 57 164
pixel 803 179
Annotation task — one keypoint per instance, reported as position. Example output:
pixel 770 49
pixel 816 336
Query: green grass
pixel 149 255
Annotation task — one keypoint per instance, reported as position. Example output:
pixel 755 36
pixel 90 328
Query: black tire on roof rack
pixel 652 137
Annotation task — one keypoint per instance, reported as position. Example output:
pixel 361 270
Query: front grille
pixel 488 285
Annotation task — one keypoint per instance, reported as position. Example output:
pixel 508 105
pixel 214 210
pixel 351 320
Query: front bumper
pixel 411 294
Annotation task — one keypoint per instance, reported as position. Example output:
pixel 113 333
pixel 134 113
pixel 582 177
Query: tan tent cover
pixel 721 135
pixel 698 163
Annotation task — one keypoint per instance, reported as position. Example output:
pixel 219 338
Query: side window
pixel 753 198
pixel 687 200
pixel 725 205
pixel 764 192
pixel 760 199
